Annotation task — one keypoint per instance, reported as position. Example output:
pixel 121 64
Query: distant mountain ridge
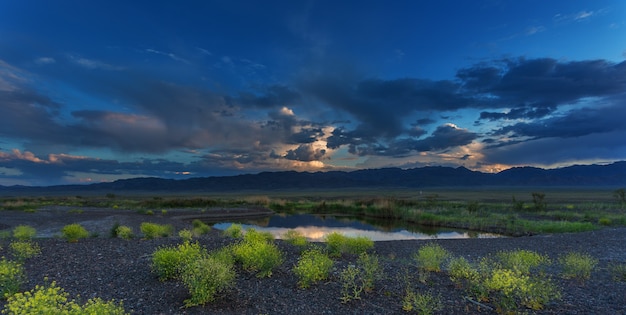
pixel 433 176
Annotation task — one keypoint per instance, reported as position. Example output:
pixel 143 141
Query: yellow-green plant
pixel 11 277
pixel 313 266
pixel 125 232
pixel 51 299
pixel 200 228
pixel 74 232
pixel 295 238
pixel 618 271
pixel 335 243
pixel 23 250
pixel 154 230
pixel 430 257
pixel 258 255
pixel 371 270
pixel 252 235
pixel 351 287
pixel 421 303
pixel 577 265
pixel 234 231
pixel 523 261
pixel 167 262
pixel 24 232
pixel 186 235
pixel 206 278
pixel 338 244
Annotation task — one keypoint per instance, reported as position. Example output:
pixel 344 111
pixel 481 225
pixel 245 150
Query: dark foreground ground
pixel 119 269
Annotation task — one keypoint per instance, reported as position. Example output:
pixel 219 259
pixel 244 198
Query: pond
pixel 316 227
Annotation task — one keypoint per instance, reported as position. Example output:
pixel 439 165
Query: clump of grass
pixel 206 278
pixel 200 228
pixel 430 257
pixel 313 266
pixel 253 235
pixel 234 231
pixel 51 299
pixel 295 238
pixel 522 260
pixel 186 235
pixel 577 265
pixel 23 250
pixel 11 277
pixel 24 232
pixel 73 232
pixel 422 303
pixel 337 244
pixel 618 271
pixel 125 232
pixel 168 262
pixel 154 230
pixel 461 271
pixel 257 254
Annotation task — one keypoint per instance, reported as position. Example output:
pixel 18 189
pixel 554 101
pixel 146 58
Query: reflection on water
pixel 315 228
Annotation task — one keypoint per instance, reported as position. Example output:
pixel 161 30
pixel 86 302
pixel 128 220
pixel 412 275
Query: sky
pixel 94 91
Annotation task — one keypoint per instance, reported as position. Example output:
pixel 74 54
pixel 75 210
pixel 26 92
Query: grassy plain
pixel 510 210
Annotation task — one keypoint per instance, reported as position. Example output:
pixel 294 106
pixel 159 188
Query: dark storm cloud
pixel 519 113
pixel 305 153
pixel 574 123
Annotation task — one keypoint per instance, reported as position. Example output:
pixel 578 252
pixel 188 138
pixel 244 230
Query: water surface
pixel 316 227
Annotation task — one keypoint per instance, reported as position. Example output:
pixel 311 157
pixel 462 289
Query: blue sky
pixel 96 91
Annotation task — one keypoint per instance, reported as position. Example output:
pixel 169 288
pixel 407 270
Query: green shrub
pixel 295 238
pixel 350 287
pixel 370 266
pixel 313 266
pixel 24 232
pixel 186 235
pixel 618 271
pixel 258 256
pixel 358 245
pixel 604 221
pixel 207 277
pixel 168 262
pixel 51 299
pixel 200 228
pixel 430 257
pixel 577 265
pixel 338 244
pixel 234 231
pixel 154 230
pixel 460 271
pixel 125 232
pixel 335 243
pixel 422 303
pixel 11 277
pixel 511 287
pixel 23 250
pixel 74 232
pixel 252 235
pixel 523 261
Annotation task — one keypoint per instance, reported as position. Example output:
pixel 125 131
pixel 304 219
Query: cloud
pixel 92 64
pixel 172 55
pixel 306 153
pixel 45 60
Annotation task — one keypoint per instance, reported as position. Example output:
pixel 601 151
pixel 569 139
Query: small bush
pixel 74 232
pixel 11 277
pixel 371 270
pixel 258 256
pixel 252 235
pixel 23 250
pixel 51 299
pixel 522 260
pixel 24 232
pixel 295 238
pixel 618 271
pixel 168 262
pixel 350 287
pixel 234 231
pixel 200 228
pixel 186 235
pixel 207 277
pixel 153 230
pixel 577 265
pixel 338 244
pixel 605 221
pixel 313 266
pixel 460 270
pixel 430 257
pixel 422 303
pixel 125 232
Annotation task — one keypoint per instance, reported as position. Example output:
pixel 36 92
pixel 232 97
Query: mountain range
pixel 438 176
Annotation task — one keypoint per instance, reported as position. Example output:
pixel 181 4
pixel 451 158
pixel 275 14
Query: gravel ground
pixel 119 269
